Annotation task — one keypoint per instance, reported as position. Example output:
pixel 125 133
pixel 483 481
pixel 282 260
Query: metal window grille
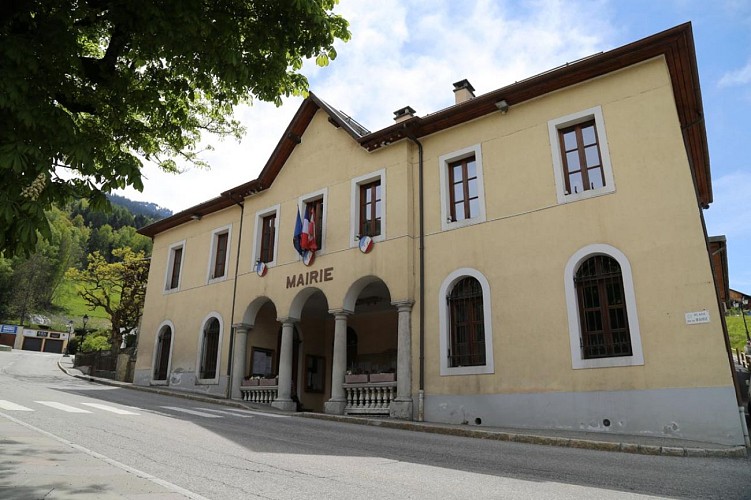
pixel 602 309
pixel 467 346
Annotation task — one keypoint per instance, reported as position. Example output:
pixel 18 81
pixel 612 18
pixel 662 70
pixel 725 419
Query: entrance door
pixel 162 354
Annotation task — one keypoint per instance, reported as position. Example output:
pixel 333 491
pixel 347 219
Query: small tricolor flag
pixel 304 238
pixel 308 237
pixel 297 237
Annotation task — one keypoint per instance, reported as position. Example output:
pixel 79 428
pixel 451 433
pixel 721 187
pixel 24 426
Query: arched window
pixel 210 349
pixel 466 328
pixel 602 318
pixel 161 360
pixel 466 322
pixel 602 309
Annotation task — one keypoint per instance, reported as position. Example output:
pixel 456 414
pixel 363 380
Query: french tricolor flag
pixel 308 236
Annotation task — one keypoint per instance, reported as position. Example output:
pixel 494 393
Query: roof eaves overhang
pixel 291 137
pixel 675 45
pixel 193 213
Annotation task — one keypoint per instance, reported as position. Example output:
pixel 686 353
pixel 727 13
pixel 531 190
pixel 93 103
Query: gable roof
pixel 676 45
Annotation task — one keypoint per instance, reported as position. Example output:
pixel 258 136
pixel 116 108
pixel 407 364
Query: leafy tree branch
pixel 98 86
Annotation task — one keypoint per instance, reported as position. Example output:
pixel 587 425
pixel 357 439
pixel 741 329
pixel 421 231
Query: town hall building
pixel 532 257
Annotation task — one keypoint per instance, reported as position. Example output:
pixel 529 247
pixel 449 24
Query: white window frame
pixel 555 144
pixel 212 255
pixel 443 166
pixel 170 265
pixel 445 328
pixel 201 334
pixel 162 325
pixel 303 200
pixel 354 214
pixel 258 234
pixel 572 306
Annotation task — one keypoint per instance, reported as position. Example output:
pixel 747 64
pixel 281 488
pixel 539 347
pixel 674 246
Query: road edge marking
pixel 144 475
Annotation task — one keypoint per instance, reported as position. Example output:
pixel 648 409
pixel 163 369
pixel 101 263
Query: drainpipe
pixel 421 205
pixel 234 296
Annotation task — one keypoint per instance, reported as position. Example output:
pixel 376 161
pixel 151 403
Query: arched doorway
pixel 374 325
pixel 162 356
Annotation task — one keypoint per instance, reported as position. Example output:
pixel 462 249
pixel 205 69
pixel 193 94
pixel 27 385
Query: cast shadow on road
pixel 305 436
pixel 21 464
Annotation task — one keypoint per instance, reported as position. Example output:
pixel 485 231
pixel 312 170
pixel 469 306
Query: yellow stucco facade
pixel 523 243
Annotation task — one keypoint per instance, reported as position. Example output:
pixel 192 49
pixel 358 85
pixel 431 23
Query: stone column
pixel 238 357
pixel 401 407
pixel 338 400
pixel 283 399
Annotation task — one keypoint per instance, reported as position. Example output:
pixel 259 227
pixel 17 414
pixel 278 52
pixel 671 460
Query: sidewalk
pixel 645 445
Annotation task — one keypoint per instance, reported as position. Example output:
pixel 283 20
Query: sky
pixel 411 52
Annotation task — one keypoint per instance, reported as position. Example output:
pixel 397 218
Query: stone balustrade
pixel 369 398
pixel 263 394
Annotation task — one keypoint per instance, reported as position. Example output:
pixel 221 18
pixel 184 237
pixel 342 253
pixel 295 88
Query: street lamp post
pixel 85 320
pixel 70 337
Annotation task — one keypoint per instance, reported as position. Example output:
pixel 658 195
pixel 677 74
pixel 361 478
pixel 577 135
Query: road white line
pixel 226 412
pixel 264 414
pixel 63 407
pixel 192 412
pixel 7 405
pixel 115 463
pixel 112 409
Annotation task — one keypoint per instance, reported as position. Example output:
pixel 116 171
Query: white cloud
pixel 402 54
pixel 738 77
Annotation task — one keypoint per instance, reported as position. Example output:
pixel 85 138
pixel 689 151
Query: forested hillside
pixel 148 211
pixel 29 284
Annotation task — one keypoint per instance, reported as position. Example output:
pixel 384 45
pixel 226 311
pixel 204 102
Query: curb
pixel 515 437
pixel 641 449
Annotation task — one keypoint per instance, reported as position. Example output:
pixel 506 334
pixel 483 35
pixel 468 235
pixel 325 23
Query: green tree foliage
pixel 119 288
pixel 101 242
pixel 95 341
pixel 91 88
pixel 6 286
pixel 31 290
pixel 32 280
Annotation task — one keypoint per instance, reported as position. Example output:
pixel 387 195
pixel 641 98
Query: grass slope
pixel 737 330
pixel 68 305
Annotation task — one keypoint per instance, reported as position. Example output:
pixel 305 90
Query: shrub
pixel 96 342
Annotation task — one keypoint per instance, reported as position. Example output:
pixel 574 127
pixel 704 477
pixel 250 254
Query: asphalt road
pixel 214 451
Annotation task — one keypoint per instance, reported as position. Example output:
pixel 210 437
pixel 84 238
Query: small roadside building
pixel 531 257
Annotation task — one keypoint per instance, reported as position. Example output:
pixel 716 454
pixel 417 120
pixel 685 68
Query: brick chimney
pixel 403 114
pixel 463 91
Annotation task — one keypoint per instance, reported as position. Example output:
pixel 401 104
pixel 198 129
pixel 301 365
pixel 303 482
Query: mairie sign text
pixel 311 277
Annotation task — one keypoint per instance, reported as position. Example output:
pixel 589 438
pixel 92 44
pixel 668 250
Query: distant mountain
pixel 147 209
